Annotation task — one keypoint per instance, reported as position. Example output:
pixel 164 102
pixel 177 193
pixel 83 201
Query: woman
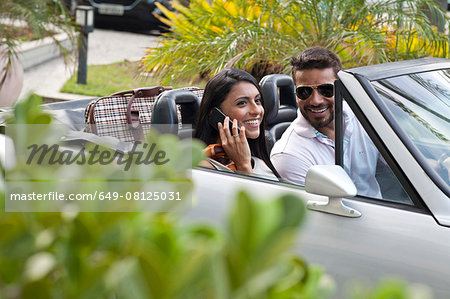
pixel 239 145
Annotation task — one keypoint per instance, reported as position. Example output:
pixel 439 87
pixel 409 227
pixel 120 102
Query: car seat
pixel 280 105
pixel 166 106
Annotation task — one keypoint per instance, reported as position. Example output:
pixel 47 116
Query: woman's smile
pixel 244 104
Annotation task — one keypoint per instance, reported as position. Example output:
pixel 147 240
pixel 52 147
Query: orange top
pixel 216 152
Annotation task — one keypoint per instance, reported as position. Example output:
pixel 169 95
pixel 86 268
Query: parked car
pixel 133 13
pixel 405 108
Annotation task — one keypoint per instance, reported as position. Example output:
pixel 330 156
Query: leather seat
pixel 280 105
pixel 274 134
pixel 165 111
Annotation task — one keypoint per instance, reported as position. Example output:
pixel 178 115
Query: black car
pixel 120 13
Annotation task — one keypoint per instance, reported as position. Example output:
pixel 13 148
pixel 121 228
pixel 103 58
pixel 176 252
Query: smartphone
pixel 218 116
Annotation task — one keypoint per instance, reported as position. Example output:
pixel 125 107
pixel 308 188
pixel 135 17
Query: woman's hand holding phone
pixel 217 116
pixel 235 144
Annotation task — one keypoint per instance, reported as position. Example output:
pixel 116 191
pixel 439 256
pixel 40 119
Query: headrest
pixel 278 130
pixel 165 108
pixel 285 114
pixel 278 90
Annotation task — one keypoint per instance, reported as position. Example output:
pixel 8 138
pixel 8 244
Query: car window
pixel 367 168
pixel 421 105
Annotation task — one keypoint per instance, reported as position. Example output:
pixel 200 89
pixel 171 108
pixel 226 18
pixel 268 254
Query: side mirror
pixel 334 182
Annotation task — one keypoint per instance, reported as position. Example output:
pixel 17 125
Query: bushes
pixel 40 18
pixel 261 35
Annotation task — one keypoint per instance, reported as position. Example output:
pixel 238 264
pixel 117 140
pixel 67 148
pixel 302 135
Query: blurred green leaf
pixel 391 288
pixel 29 111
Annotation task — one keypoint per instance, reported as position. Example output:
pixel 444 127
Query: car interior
pixel 165 111
pixel 279 102
pixel 280 106
pixel 176 110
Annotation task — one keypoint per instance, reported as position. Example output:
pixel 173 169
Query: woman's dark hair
pixel 216 91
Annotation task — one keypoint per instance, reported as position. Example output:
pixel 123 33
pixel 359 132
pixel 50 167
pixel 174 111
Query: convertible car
pixel 405 109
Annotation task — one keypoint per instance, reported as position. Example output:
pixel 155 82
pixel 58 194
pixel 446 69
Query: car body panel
pixel 399 68
pixel 394 240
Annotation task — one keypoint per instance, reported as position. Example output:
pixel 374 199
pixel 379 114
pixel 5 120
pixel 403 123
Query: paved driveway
pixel 105 46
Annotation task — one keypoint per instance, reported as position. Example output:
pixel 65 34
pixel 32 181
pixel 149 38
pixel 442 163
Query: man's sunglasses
pixel 304 92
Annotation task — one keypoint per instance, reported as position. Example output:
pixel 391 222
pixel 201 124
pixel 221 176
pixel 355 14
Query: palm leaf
pixel 254 34
pixel 39 17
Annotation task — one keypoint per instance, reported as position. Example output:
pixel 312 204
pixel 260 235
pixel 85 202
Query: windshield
pixel 420 104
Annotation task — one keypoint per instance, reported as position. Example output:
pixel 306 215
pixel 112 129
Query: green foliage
pixel 139 255
pixel 29 111
pixel 256 254
pixel 391 288
pixel 262 35
pixel 22 34
pixel 40 17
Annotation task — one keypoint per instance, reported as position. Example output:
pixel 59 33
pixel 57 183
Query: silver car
pixel 405 109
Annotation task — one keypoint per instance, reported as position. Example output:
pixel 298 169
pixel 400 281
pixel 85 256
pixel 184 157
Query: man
pixel 309 140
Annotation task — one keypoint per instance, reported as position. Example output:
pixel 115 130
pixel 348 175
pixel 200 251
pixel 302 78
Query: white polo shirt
pixel 302 146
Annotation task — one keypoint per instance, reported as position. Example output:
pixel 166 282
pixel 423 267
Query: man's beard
pixel 318 124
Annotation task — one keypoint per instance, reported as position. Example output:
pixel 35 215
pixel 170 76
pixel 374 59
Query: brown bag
pixel 123 115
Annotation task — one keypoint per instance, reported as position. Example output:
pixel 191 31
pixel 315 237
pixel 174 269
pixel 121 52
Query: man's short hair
pixel 315 58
